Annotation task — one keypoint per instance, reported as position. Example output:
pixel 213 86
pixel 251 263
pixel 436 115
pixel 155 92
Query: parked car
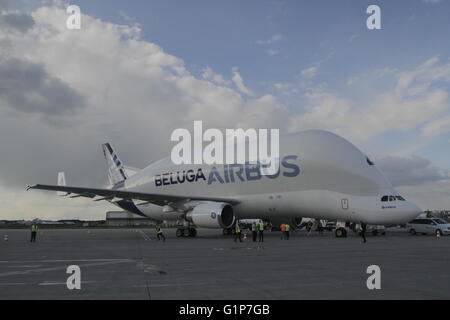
pixel 435 226
pixel 374 229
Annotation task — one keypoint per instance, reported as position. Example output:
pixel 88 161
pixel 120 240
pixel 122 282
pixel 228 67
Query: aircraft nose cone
pixel 413 210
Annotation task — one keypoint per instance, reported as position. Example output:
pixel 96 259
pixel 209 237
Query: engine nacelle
pixel 213 215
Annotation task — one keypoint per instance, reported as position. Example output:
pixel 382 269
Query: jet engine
pixel 213 215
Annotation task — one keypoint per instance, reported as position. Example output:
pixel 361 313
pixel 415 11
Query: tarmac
pixel 131 264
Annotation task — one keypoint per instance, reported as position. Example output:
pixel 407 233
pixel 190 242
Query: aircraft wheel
pixel 192 232
pixel 341 233
pixel 438 233
pixel 180 233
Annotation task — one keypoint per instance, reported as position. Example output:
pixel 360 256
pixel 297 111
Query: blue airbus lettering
pixel 229 173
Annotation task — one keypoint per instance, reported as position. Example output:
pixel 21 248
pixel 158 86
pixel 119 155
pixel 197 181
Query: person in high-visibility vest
pixel 34 229
pixel 261 227
pixel 159 233
pixel 254 231
pixel 287 228
pixel 238 232
pixel 283 231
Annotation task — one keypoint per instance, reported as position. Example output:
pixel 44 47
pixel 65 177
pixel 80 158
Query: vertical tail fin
pixel 61 182
pixel 116 170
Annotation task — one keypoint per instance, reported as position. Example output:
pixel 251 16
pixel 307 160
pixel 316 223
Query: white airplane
pixel 321 176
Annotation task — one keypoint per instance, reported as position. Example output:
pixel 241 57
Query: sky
pixel 138 69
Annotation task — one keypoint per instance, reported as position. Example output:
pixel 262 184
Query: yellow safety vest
pixel 261 226
pixel 33 228
pixel 238 229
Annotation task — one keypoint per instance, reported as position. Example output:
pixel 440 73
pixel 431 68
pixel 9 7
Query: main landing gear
pixel 340 233
pixel 186 232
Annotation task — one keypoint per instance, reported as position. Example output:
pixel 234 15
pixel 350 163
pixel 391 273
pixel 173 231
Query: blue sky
pixel 273 41
pixel 224 34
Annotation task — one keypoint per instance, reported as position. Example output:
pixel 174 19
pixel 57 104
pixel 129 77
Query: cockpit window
pixel 391 198
pixel 400 198
pixel 385 198
pixel 370 162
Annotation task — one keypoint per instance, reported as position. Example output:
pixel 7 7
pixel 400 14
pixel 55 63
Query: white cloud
pixel 413 170
pixel 413 102
pixel 437 127
pixel 239 82
pixel 209 74
pixel 309 73
pixel 272 52
pixel 274 38
pixel 132 94
pixel 431 1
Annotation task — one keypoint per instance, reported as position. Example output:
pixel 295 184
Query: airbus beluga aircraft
pixel 320 175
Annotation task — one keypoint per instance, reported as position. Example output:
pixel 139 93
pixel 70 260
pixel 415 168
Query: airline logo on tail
pixel 116 170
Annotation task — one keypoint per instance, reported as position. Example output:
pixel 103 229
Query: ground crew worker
pixel 283 231
pixel 159 233
pixel 34 230
pixel 261 231
pixel 254 231
pixel 287 228
pixel 320 227
pixel 238 233
pixel 363 232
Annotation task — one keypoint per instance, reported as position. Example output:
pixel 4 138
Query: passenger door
pixel 420 226
pixel 430 227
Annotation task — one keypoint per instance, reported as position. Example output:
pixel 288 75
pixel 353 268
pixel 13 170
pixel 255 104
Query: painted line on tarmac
pixel 146 237
pixel 172 285
pixel 67 260
pixel 50 283
pixel 40 270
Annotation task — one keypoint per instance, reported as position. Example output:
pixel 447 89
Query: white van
pixel 429 226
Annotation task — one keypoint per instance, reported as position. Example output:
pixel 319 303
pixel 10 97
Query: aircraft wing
pixel 117 195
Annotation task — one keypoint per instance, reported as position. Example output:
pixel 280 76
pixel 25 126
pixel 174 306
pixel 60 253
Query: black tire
pixel 180 233
pixel 413 232
pixel 192 232
pixel 439 233
pixel 340 233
